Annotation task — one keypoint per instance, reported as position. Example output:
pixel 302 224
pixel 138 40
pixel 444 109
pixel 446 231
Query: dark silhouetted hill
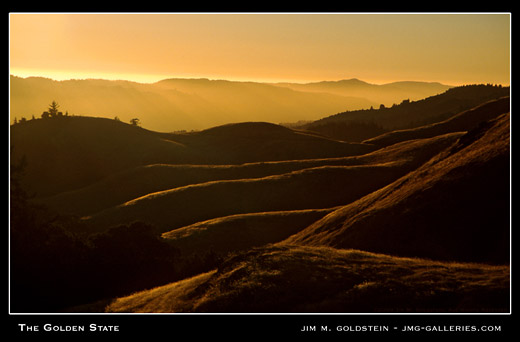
pixel 67 153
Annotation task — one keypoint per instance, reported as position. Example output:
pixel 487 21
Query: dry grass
pixel 318 279
pixel 171 297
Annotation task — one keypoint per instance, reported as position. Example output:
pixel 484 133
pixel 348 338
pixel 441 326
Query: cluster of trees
pixel 53 112
pixel 56 262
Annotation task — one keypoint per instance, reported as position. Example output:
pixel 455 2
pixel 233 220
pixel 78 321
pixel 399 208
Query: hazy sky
pixel 449 48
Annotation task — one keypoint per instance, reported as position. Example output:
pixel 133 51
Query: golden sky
pixel 300 47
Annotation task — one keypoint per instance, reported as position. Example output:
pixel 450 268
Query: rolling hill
pixel 257 217
pixel 439 229
pixel 139 181
pixel 454 207
pixel 67 153
pixel 307 186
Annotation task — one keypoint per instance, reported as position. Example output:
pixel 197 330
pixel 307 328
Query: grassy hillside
pixel 286 279
pixel 454 207
pixel 257 217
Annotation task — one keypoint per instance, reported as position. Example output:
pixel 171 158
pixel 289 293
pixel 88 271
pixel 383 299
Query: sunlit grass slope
pixel 454 207
pixel 280 279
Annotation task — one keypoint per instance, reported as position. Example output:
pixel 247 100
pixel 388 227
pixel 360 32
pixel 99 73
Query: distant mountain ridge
pixel 194 104
pixel 386 94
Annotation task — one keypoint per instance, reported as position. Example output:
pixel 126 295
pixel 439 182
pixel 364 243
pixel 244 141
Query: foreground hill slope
pixel 454 207
pixel 66 153
pixel 280 279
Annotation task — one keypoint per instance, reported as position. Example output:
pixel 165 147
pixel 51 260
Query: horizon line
pixel 142 79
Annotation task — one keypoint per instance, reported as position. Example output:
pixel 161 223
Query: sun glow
pixel 376 48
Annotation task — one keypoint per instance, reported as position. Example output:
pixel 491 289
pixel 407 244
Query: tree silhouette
pixel 53 109
pixel 135 122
